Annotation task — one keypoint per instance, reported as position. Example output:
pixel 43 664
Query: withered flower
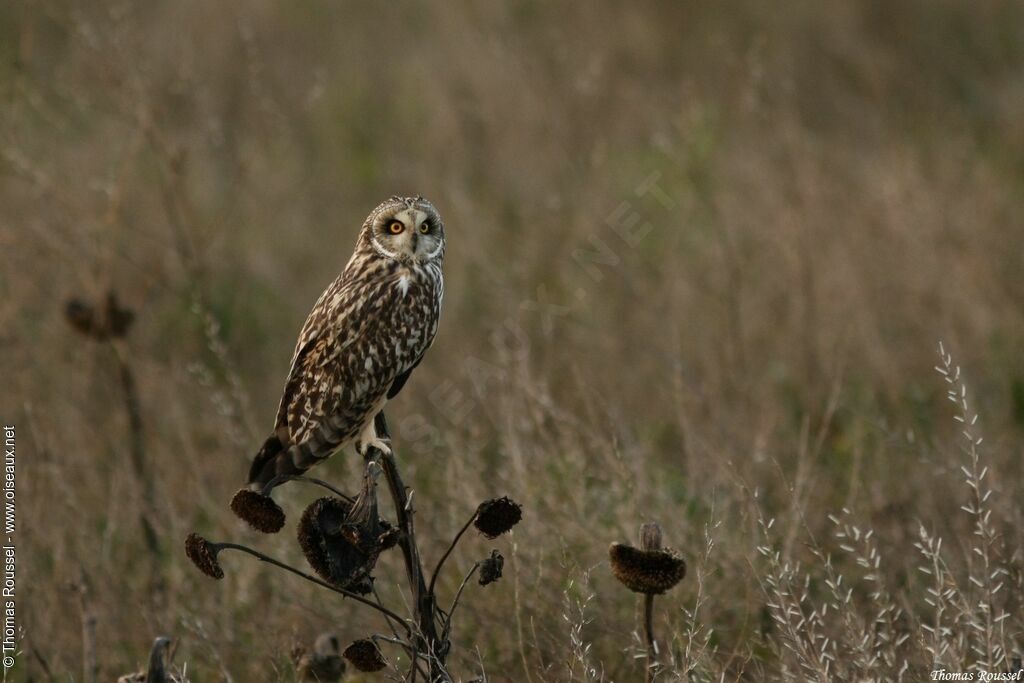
pixel 648 569
pixel 365 655
pixel 156 672
pixel 490 569
pixel 496 516
pixel 109 321
pixel 342 541
pixel 203 555
pixel 261 512
pixel 324 664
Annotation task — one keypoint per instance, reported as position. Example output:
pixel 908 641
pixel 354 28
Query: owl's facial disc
pixel 410 235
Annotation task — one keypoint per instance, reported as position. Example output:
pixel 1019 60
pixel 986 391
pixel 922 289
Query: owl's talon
pixel 382 445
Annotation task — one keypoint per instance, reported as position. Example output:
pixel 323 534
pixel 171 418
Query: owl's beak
pixel 415 238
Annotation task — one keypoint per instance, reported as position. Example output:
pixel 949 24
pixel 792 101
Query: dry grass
pixel 699 259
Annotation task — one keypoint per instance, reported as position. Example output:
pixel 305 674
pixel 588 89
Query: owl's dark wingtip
pixel 268 452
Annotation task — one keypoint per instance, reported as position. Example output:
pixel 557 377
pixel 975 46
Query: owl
pixel 365 335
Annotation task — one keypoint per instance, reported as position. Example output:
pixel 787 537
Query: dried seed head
pixel 646 571
pixel 389 539
pixel 496 516
pixel 105 322
pixel 118 319
pixel 203 555
pixel 340 545
pixel 261 512
pixel 81 316
pixel 324 664
pixel 490 569
pixel 321 522
pixel 365 655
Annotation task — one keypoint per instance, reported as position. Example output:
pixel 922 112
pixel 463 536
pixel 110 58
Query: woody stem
pixel 649 634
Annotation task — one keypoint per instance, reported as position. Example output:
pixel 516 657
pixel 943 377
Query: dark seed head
pixel 261 512
pixel 81 316
pixel 324 664
pixel 337 545
pixel 389 539
pixel 118 319
pixel 496 516
pixel 112 321
pixel 365 655
pixel 490 569
pixel 646 571
pixel 203 555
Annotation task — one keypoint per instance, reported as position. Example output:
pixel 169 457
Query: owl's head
pixel 406 229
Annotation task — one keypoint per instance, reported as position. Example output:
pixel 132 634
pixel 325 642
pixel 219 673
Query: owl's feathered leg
pixel 368 438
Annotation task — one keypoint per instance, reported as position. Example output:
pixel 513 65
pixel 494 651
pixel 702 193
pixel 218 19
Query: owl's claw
pixel 383 445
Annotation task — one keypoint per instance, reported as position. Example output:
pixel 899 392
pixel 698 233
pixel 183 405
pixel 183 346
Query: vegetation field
pixel 701 257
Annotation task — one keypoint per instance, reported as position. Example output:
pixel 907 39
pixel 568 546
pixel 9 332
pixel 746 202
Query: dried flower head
pixel 340 545
pixel 496 516
pixel 158 665
pixel 203 555
pixel 108 321
pixel 646 571
pixel 261 512
pixel 365 655
pixel 324 664
pixel 490 569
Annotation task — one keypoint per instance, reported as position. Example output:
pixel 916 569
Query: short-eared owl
pixel 363 338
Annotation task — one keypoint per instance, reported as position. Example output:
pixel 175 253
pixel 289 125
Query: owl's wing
pixel 304 363
pixel 399 382
pixel 344 366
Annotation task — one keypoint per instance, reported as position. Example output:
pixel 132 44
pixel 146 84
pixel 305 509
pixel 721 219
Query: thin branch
pixel 424 604
pixel 451 547
pixel 410 648
pixel 455 602
pixel 380 602
pixel 389 639
pixel 277 481
pixel 649 635
pixel 136 447
pixel 309 577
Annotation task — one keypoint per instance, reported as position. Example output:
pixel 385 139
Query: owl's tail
pixel 273 460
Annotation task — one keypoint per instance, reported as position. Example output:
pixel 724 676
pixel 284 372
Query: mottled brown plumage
pixel 363 338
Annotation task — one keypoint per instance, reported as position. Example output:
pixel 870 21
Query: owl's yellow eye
pixel 396 227
pixel 425 227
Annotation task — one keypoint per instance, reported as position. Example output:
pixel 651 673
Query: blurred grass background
pixel 696 250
